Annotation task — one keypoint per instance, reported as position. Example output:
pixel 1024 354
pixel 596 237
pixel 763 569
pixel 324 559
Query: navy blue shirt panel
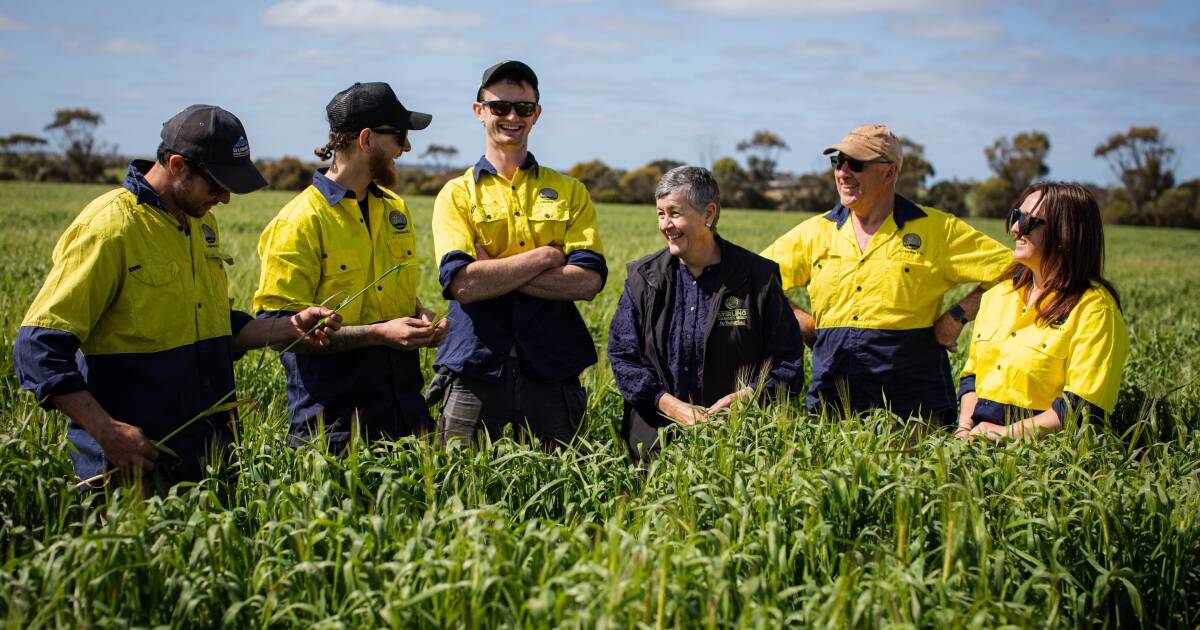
pixel 905 370
pixel 688 331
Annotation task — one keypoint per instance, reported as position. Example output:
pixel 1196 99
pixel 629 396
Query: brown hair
pixel 1072 249
pixel 338 140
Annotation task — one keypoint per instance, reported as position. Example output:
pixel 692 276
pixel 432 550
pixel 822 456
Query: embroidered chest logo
pixel 733 313
pixel 911 241
pixel 548 194
pixel 398 220
pixel 210 236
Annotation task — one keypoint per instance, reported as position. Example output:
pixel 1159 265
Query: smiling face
pixel 684 226
pixel 865 189
pixel 509 131
pixel 1028 248
pixel 385 149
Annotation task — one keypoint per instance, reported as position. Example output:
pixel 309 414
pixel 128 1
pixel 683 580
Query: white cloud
pixel 373 15
pixel 966 28
pixel 802 8
pixel 812 49
pixel 9 24
pixel 121 46
pixel 590 47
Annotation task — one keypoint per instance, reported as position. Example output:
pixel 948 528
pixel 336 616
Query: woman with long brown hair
pixel 1050 339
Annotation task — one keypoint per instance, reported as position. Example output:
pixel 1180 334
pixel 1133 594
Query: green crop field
pixel 762 518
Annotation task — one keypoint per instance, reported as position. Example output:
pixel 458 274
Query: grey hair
pixel 698 182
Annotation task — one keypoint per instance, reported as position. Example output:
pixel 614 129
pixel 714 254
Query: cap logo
pixel 241 148
pixel 398 220
pixel 911 241
pixel 210 236
pixel 548 193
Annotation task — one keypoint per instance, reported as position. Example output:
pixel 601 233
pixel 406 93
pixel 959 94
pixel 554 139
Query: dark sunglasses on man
pixel 401 134
pixel 214 187
pixel 857 166
pixel 1024 221
pixel 524 109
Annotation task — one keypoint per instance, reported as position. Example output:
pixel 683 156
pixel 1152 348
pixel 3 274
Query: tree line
pixel 1141 159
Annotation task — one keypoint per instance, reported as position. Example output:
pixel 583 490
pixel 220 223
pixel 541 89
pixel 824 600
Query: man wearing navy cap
pixel 139 290
pixel 516 244
pixel 347 234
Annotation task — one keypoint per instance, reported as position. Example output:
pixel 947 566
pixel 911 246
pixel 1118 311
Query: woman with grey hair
pixel 700 323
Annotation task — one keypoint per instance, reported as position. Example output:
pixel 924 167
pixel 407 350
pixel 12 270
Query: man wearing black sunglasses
pixel 516 244
pixel 348 241
pixel 139 290
pixel 876 268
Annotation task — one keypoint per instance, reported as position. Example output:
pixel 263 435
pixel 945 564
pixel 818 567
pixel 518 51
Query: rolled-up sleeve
pixel 44 360
pixel 637 381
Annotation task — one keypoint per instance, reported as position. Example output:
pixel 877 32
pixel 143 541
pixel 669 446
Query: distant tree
pixel 286 173
pixel 1019 161
pixel 21 143
pixel 75 133
pixel 738 189
pixel 440 155
pixel 1144 163
pixel 949 195
pixel 764 148
pixel 992 198
pixel 602 181
pixel 637 186
pixel 915 171
pixel 665 164
pixel 811 192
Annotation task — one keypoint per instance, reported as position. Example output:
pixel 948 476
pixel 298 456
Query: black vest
pixel 735 344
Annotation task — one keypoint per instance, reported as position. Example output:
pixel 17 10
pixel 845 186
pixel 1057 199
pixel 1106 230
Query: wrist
pixel 958 314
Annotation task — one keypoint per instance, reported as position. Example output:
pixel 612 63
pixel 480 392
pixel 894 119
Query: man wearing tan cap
pixel 876 267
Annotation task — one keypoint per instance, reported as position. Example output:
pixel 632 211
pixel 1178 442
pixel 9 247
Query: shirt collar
pixel 334 192
pixel 903 210
pixel 484 166
pixel 135 182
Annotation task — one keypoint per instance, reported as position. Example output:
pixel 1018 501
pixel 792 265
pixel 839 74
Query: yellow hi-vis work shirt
pixel 1019 368
pixel 874 310
pixel 538 207
pixel 146 301
pixel 314 253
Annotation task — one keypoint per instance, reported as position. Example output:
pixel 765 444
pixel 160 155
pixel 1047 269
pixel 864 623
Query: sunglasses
pixel 1024 221
pixel 401 134
pixel 857 166
pixel 524 109
pixel 214 187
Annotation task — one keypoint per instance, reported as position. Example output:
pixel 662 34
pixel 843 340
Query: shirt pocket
pixel 907 284
pixel 827 270
pixel 341 278
pixel 1043 365
pixel 153 297
pixel 399 297
pixel 548 222
pixel 491 229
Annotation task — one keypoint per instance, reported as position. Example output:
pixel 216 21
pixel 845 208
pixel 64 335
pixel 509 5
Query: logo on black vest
pixel 210 236
pixel 911 241
pixel 398 220
pixel 732 313
pixel 548 194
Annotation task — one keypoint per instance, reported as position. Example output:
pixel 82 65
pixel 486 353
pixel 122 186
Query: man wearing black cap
pixel 348 242
pixel 138 287
pixel 516 243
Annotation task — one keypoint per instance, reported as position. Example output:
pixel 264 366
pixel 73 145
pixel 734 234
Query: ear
pixel 893 172
pixel 177 166
pixel 537 113
pixel 477 107
pixel 710 213
pixel 364 140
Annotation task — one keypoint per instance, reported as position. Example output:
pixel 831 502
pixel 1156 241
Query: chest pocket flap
pixel 545 210
pixel 155 273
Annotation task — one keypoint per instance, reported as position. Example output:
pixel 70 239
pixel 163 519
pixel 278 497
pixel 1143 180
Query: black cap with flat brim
pixel 508 69
pixel 215 140
pixel 369 105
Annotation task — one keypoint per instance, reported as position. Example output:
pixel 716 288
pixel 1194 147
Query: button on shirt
pixel 689 328
pixel 1018 367
pixel 874 310
pixel 145 303
pixel 503 218
pixel 323 249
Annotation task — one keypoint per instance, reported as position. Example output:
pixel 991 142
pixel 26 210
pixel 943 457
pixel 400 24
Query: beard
pixel 383 170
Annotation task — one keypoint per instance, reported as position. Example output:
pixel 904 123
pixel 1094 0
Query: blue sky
pixel 629 82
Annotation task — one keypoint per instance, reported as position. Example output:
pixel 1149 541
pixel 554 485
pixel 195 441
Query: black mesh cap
pixel 508 69
pixel 366 105
pixel 214 140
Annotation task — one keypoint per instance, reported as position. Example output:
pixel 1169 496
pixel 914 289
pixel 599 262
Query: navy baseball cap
pixel 214 140
pixel 509 69
pixel 368 105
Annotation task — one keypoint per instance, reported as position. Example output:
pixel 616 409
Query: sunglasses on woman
pixel 524 109
pixel 1024 221
pixel 857 166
